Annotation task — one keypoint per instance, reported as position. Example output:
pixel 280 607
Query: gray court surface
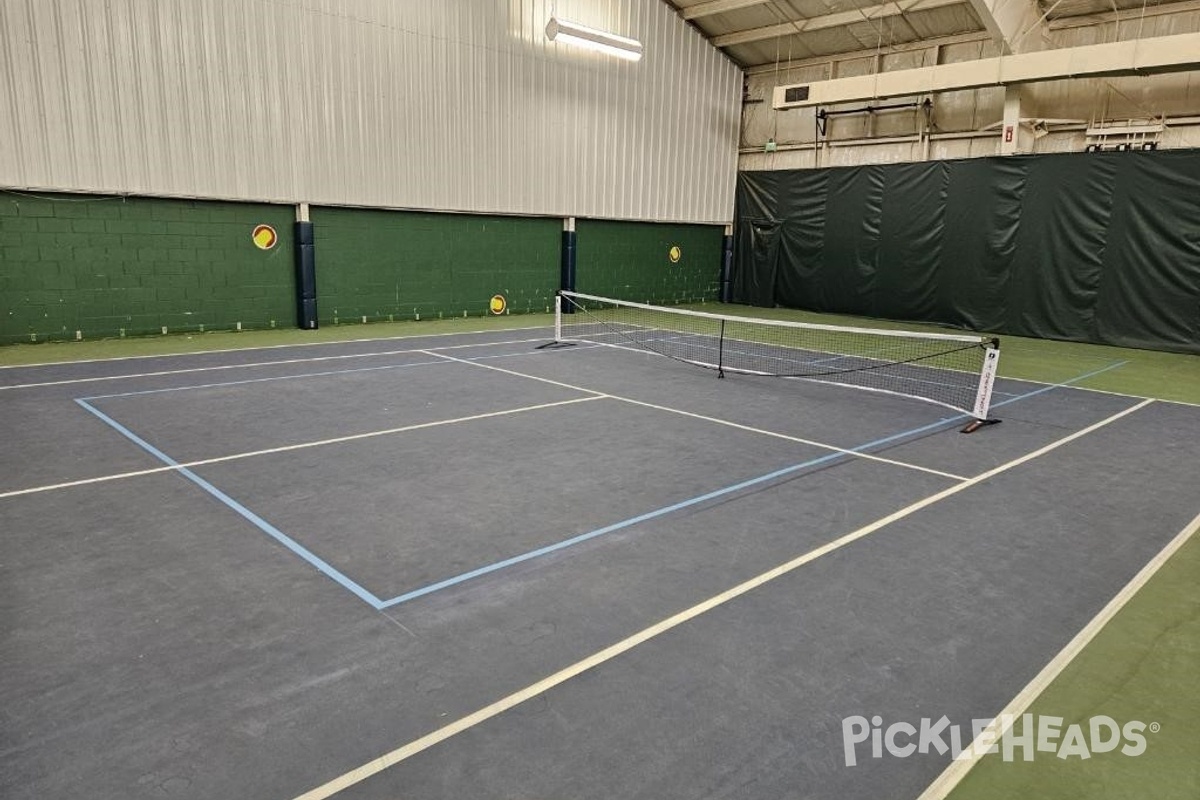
pixel 297 560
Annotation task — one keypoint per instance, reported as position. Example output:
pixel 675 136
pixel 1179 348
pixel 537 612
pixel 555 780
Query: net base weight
pixel 976 424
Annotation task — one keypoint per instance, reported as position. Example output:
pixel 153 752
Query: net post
pixel 983 393
pixel 721 352
pixel 558 324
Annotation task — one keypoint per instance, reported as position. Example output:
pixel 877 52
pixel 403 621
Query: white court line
pixel 971 755
pixel 187 370
pixel 715 420
pixel 1103 391
pixel 416 746
pixel 299 446
pixel 270 347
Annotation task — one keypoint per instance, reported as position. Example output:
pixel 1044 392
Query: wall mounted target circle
pixel 264 237
pixel 497 304
pixel 675 253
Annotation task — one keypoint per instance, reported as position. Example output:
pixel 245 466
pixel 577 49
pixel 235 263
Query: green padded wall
pixel 108 266
pixel 403 264
pixel 630 261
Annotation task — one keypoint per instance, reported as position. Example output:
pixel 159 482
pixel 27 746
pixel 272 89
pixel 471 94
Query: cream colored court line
pixel 269 347
pixel 260 364
pixel 409 750
pixel 971 755
pixel 289 447
pixel 715 420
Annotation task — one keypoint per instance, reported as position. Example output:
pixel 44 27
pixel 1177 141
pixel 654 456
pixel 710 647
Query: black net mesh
pixel 940 368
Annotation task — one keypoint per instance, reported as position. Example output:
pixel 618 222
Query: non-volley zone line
pixel 858 452
pixel 259 364
pixel 174 466
pixel 407 751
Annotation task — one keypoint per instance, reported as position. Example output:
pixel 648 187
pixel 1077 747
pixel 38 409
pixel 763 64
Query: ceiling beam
pixel 1128 15
pixel 716 7
pixel 1018 26
pixel 889 9
pixel 1158 55
pixel 851 55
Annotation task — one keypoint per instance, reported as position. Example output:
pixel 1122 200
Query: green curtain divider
pixel 1150 296
pixel 912 234
pixel 1098 247
pixel 979 243
pixel 803 242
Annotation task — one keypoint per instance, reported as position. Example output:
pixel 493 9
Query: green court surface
pixel 1141 666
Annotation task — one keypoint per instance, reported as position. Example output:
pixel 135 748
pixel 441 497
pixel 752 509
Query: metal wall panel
pixel 456 105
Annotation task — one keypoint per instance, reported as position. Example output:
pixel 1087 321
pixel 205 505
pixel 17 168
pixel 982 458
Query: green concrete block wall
pixel 629 261
pixel 403 264
pixel 103 266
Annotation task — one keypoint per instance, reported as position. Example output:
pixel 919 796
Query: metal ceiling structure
pixel 759 34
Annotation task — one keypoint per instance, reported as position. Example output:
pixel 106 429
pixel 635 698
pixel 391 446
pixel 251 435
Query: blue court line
pixel 770 476
pixel 379 605
pixel 249 515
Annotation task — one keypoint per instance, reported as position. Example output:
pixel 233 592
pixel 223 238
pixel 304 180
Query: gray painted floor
pixel 155 641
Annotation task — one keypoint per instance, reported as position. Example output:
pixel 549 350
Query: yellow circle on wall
pixel 674 254
pixel 497 304
pixel 264 237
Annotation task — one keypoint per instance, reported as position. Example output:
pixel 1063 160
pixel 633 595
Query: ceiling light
pixel 560 30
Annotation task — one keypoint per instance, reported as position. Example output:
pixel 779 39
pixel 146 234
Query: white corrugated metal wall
pixel 435 104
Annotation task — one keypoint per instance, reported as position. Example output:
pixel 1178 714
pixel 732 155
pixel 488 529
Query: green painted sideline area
pixel 178 344
pixel 1141 666
pixel 1147 373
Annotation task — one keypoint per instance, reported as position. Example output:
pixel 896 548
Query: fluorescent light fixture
pixel 560 30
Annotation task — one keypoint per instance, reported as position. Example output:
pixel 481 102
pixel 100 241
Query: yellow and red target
pixel 264 237
pixel 497 304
